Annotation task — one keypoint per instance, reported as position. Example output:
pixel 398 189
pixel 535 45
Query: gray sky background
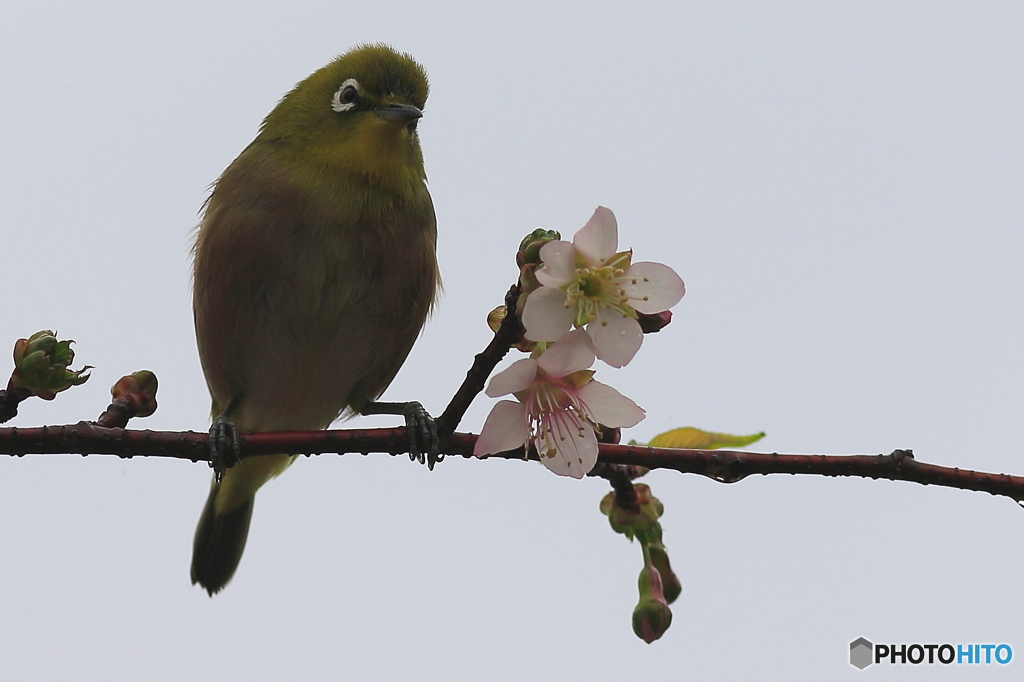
pixel 839 184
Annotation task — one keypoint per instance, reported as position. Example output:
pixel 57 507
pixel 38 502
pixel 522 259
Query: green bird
pixel 315 269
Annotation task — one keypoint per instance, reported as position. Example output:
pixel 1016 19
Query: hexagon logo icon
pixel 861 651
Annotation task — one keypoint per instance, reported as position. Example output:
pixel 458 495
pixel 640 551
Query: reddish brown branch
pixel 117 414
pixel 725 466
pixel 510 331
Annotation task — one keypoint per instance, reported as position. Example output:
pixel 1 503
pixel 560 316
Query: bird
pixel 314 271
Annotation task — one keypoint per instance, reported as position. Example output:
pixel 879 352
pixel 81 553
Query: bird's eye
pixel 346 96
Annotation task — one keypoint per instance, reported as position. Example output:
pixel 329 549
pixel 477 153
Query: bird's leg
pixel 225 448
pixel 424 444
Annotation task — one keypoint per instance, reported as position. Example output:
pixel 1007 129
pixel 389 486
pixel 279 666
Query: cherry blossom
pixel 588 283
pixel 559 405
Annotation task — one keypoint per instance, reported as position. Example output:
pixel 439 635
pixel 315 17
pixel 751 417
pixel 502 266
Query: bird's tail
pixel 219 543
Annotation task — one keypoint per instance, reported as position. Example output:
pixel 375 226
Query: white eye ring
pixel 350 85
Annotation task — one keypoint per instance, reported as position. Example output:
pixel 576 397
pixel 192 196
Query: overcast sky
pixel 839 184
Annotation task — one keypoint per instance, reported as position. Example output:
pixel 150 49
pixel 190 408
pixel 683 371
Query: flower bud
pixel 494 319
pixel 139 389
pixel 671 588
pixel 652 616
pixel 529 248
pixel 41 367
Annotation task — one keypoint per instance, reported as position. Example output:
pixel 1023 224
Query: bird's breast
pixel 309 298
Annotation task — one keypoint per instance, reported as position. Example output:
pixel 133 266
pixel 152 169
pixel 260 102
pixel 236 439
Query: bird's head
pixel 357 115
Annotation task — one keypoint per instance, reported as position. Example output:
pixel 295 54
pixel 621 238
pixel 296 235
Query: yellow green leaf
pixel 697 439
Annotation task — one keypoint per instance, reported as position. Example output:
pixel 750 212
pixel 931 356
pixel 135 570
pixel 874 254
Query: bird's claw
pixel 225 448
pixel 421 428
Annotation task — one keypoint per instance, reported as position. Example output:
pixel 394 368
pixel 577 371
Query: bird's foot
pixel 424 445
pixel 225 448
pixel 420 427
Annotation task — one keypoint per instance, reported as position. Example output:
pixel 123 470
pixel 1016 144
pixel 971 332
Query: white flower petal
pixel 597 240
pixel 616 337
pixel 545 316
pixel 505 429
pixel 518 376
pixel 609 407
pixel 575 447
pixel 571 353
pixel 559 258
pixel 651 287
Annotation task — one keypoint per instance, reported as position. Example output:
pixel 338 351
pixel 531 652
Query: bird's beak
pixel 405 113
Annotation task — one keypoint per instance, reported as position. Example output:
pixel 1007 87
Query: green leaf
pixel 695 439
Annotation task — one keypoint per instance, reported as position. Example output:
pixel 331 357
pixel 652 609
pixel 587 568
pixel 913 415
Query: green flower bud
pixel 651 617
pixel 529 248
pixel 41 367
pixel 671 587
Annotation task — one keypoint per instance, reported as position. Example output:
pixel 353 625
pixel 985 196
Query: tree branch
pixel 510 331
pixel 134 395
pixel 724 466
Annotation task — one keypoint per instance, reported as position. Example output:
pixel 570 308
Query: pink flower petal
pixel 575 447
pixel 597 240
pixel 504 429
pixel 545 316
pixel 652 287
pixel 516 377
pixel 571 353
pixel 616 337
pixel 559 266
pixel 609 407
